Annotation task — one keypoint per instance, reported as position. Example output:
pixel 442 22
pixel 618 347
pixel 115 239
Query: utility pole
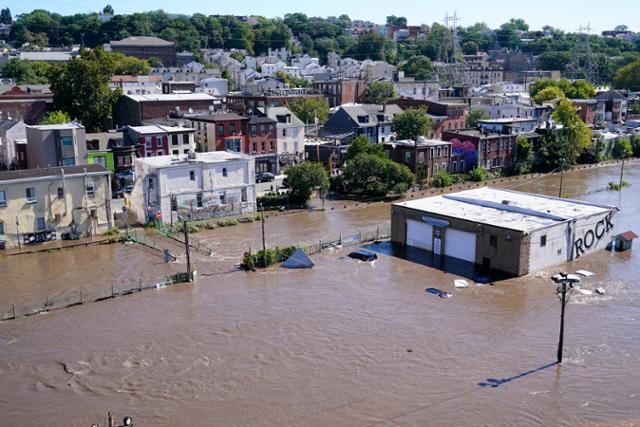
pixel 563 279
pixel 561 176
pixel 264 244
pixel 186 248
pixel 18 231
pixel 622 170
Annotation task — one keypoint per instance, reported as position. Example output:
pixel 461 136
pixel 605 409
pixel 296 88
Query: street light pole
pixel 622 170
pixel 561 176
pixel 563 279
pixel 264 244
pixel 563 300
pixel 186 248
pixel 18 231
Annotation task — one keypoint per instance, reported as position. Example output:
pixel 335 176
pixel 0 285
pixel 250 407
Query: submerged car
pixel 363 255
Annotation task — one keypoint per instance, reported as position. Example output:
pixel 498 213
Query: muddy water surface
pixel 346 343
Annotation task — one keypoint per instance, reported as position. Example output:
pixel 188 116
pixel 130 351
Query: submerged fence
pixel 364 235
pixel 75 297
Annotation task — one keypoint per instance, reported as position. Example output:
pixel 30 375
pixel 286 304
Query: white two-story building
pixel 290 130
pixel 194 186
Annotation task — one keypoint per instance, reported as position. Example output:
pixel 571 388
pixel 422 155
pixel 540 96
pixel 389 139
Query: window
pixel 175 152
pixel 421 157
pixel 185 151
pixel 263 129
pixel 284 132
pixel 438 151
pixel 454 166
pixel 232 128
pixel 150 184
pixel 174 139
pixel 91 190
pixel 243 194
pixel 223 198
pixel 284 146
pixel 148 142
pixel 254 147
pixel 272 129
pixel 199 200
pixel 543 240
pixel 159 142
pixel 3 198
pixel 444 167
pixel 493 241
pixel 253 130
pixel 192 175
pixel 407 156
pixel 31 195
pixel 271 146
pixel 224 172
pixel 431 153
pixel 1 228
pixel 185 139
pixel 40 224
pixel 149 154
pixel 221 130
pixel 263 146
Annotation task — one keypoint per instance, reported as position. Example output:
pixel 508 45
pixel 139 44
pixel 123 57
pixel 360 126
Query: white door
pixel 460 244
pixel 419 234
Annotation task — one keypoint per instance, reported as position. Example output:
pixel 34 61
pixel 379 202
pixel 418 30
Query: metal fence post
pixel 377 232
pixel 13 307
pixel 320 246
pixel 112 292
pixel 80 296
pixel 139 285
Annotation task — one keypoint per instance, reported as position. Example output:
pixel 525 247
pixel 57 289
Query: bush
pixel 192 228
pixel 232 221
pixel 478 174
pixel 442 179
pixel 113 231
pixel 211 226
pixel 273 200
pixel 616 187
pixel 273 255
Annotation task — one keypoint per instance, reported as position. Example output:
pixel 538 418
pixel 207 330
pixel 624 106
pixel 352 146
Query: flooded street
pixel 343 344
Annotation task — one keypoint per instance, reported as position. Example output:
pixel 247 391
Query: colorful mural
pixel 465 150
pixel 212 206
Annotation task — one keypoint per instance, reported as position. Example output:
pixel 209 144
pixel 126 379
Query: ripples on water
pixel 343 344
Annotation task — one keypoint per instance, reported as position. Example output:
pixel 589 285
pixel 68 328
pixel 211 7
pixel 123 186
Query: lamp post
pixel 563 280
pixel 18 231
pixel 622 169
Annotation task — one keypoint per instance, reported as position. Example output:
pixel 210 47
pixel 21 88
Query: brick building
pixel 147 47
pixel 241 104
pixel 26 104
pixel 444 115
pixel 134 109
pixel 261 142
pixel 156 140
pixel 471 148
pixel 433 155
pixel 338 92
pixel 219 132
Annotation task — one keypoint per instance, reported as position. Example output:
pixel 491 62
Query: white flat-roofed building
pixel 195 186
pixel 509 231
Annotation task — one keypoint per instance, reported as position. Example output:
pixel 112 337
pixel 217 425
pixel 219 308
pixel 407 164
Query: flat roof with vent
pixel 507 209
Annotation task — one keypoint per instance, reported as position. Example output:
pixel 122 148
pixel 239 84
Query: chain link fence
pixel 66 299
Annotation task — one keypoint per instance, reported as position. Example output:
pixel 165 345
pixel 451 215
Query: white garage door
pixel 419 234
pixel 460 244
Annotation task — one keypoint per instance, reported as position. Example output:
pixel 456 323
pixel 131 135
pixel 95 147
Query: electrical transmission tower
pixel 449 53
pixel 587 68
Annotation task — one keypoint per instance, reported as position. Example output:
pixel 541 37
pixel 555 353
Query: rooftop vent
pixel 506 202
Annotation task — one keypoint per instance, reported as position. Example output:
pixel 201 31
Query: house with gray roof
pixel 370 120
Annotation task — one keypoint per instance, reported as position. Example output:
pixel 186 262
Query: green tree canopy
pixel 54 118
pixel 412 123
pixel 108 10
pixel 579 89
pixel 5 16
pixel 306 178
pixel 361 145
pixel 309 109
pixel 628 77
pixel 375 175
pixel 418 66
pixel 474 116
pixel 470 47
pixel 379 92
pixel 81 89
pixel 548 94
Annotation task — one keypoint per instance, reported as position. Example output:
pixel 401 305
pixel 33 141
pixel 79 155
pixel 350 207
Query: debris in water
pixel 585 273
pixel 583 291
pixel 459 283
pixel 600 291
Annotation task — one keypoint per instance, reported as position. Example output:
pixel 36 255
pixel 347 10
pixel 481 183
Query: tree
pixel 155 62
pixel 418 66
pixel 397 21
pixel 379 92
pixel 309 109
pixel 581 89
pixel 621 28
pixel 19 70
pixel 470 47
pixel 369 46
pixel 562 147
pixel 474 116
pixel 108 10
pixel 548 94
pixel 376 175
pixel 628 77
pixel 54 118
pixel 81 89
pixel 5 16
pixel 411 124
pixel 554 60
pixel 520 24
pixel 361 145
pixel 292 81
pixel 306 178
pixel 622 148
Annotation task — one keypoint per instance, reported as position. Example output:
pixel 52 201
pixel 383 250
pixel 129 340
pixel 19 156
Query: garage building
pixel 508 231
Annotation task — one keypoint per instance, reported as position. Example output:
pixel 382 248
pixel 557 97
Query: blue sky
pixel 565 14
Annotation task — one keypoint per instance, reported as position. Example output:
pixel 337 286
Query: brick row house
pixel 471 148
pixel 433 155
pixel 157 140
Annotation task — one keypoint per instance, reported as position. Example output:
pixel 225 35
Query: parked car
pixel 265 177
pixel 363 255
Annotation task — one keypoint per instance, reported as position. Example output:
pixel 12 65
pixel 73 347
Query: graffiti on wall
pixel 208 207
pixel 466 151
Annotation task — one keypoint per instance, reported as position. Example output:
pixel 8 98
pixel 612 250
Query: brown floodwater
pixel 343 344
